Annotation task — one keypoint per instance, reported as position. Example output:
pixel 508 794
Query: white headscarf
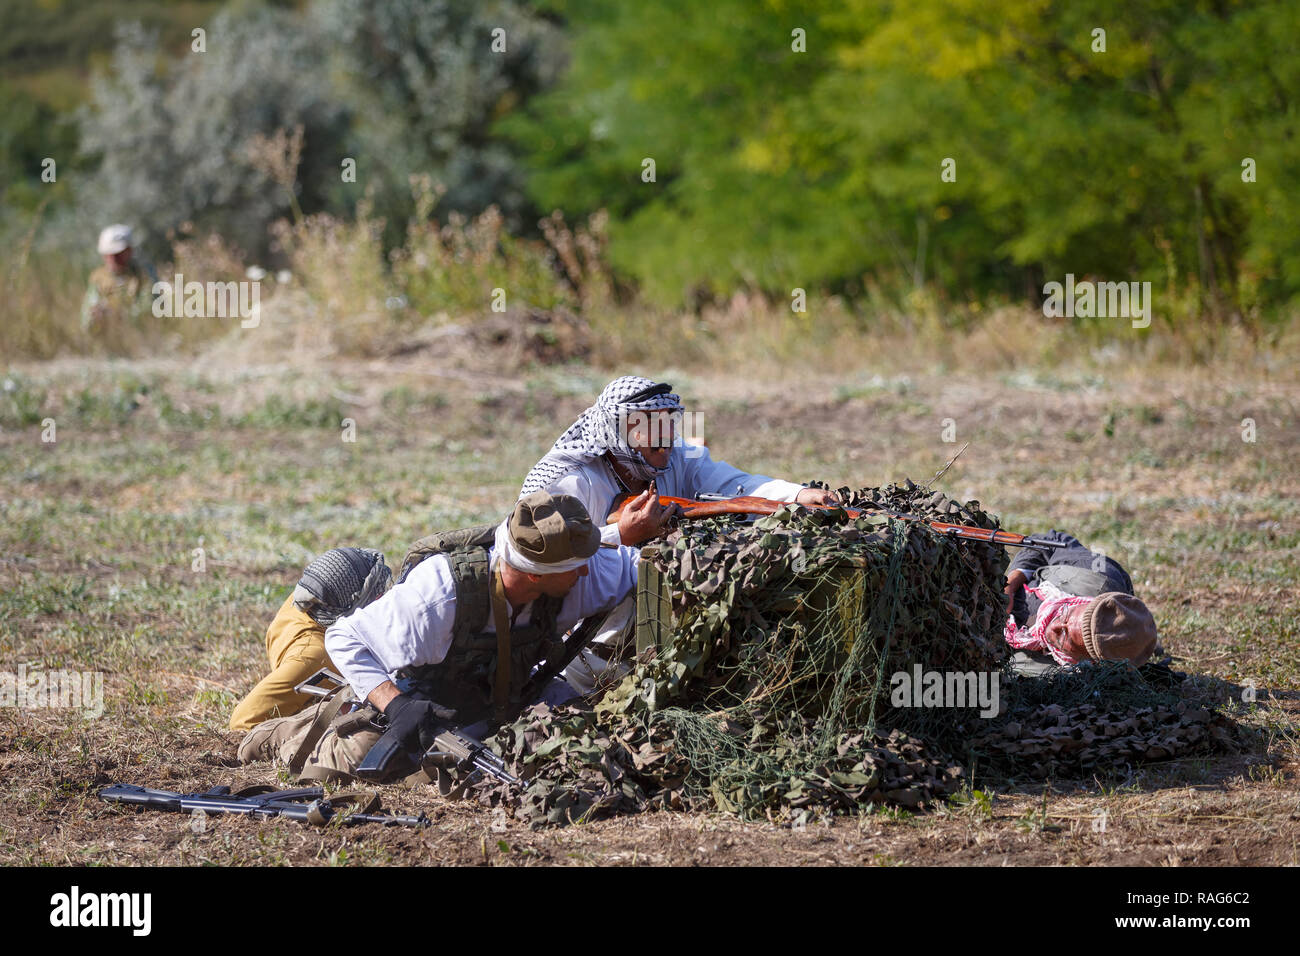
pixel 602 428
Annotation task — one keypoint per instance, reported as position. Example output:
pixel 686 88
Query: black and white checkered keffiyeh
pixel 340 581
pixel 601 428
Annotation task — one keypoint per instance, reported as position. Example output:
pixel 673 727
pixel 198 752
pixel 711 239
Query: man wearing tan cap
pixel 1074 604
pixel 464 601
pixel 119 290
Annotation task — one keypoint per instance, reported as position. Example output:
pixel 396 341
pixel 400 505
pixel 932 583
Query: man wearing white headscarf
pixel 626 444
pixel 631 438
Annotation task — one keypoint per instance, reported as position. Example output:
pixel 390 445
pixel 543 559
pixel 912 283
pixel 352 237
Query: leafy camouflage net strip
pixel 1077 741
pixel 580 769
pixel 1099 718
pixel 770 699
pixel 807 613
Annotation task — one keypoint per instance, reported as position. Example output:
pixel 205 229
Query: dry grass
pixel 349 295
pixel 157 458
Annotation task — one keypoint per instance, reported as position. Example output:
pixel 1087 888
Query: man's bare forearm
pixel 383 695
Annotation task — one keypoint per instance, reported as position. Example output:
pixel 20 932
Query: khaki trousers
pixel 295 647
pixel 341 747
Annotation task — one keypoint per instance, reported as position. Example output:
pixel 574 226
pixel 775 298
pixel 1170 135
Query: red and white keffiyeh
pixel 1034 637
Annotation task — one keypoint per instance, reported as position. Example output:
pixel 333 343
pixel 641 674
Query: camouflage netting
pixel 770 693
pixel 1094 718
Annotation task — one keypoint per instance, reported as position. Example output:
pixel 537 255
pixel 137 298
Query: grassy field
pixel 154 537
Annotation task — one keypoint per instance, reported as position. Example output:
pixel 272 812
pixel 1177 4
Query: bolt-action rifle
pixel 709 506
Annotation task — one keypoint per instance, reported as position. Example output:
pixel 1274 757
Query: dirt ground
pixel 152 540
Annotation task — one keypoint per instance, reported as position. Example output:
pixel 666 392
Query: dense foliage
pixel 793 169
pixel 951 146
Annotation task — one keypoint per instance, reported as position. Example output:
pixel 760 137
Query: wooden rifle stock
pixel 750 505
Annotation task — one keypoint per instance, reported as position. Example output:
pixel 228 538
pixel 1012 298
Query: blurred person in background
pixel 120 291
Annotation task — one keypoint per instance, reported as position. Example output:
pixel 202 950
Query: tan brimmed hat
pixel 552 531
pixel 1118 627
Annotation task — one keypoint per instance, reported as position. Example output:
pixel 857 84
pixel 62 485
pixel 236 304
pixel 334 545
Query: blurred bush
pixel 174 137
pixel 794 150
pixel 426 82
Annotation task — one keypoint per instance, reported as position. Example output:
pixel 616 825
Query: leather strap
pixel 318 774
pixel 606 652
pixel 501 621
pixel 363 801
pixel 328 710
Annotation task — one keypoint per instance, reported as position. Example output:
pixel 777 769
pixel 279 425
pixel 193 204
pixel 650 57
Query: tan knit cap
pixel 1118 627
pixel 552 529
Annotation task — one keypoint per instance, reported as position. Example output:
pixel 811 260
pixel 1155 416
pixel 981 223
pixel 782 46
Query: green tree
pixel 174 136
pixel 425 81
pixel 778 168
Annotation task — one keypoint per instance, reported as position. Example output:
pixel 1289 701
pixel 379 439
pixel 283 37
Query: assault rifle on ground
pixel 306 804
pixel 391 758
pixel 709 506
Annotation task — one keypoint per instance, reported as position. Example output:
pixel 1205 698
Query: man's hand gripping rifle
pixel 400 752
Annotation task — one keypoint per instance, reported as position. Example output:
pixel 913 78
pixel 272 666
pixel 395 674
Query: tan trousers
pixel 295 646
pixel 343 745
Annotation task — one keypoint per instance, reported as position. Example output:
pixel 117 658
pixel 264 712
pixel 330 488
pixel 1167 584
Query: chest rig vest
pixel 464 680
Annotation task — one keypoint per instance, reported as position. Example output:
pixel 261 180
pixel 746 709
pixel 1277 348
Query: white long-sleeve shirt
pixel 411 625
pixel 691 471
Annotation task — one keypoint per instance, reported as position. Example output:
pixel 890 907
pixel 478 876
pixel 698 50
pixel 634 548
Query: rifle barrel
pixel 284 803
pixel 748 504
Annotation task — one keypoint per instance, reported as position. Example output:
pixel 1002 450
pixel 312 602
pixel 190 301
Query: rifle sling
pixel 579 638
pixel 328 710
pixel 362 801
pixel 501 621
pixel 606 652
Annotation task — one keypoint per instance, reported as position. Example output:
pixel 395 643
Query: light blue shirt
pixel 691 471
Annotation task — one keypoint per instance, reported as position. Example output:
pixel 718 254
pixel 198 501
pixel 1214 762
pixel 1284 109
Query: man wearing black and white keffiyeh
pixel 629 443
pixel 630 438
